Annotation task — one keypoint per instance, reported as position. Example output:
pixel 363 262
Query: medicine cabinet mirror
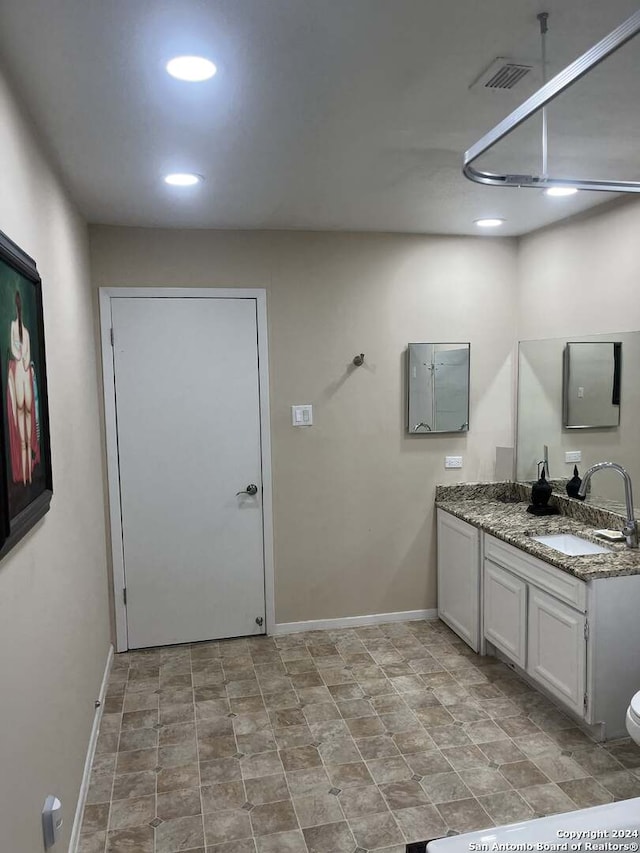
pixel 591 388
pixel 438 384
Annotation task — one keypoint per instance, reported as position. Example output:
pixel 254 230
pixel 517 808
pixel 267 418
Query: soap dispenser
pixel 540 494
pixel 574 484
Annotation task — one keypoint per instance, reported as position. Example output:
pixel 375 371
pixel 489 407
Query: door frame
pixel 106 294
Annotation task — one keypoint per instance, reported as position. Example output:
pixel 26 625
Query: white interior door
pixel 188 431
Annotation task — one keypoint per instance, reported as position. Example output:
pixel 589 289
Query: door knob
pixel 251 489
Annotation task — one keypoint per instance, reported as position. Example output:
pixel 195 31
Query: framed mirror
pixel 438 383
pixel 591 386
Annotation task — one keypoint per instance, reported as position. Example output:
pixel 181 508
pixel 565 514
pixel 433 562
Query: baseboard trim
pixel 88 762
pixel 353 621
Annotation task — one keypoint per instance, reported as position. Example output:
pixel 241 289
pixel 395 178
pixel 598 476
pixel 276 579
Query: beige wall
pixel 353 495
pixel 581 278
pixel 54 628
pixel 575 280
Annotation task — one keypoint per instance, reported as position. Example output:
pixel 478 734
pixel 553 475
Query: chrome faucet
pixel 630 530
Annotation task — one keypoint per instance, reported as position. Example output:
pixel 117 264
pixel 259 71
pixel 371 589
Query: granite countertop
pixel 511 522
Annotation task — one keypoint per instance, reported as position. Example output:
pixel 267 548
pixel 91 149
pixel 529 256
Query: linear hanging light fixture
pixel 558 84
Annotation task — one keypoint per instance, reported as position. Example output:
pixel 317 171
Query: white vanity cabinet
pixel 535 615
pixel 577 640
pixel 459 577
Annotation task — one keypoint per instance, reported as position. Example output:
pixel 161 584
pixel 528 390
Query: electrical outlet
pixel 453 461
pixel 302 416
pixel 572 456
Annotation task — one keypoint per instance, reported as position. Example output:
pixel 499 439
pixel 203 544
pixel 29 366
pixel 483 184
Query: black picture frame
pixel 26 483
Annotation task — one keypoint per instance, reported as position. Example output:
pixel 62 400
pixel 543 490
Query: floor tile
pixel 547 799
pixel 398 732
pixel 427 763
pixel 140 759
pixel 96 817
pixel 506 807
pixel 177 778
pixel 341 750
pixel 464 815
pixel 402 795
pixel 595 760
pixel 94 842
pixel 442 787
pixel 586 792
pixel 377 830
pixel 320 809
pixel 138 739
pixel 523 774
pixel 446 737
pixel 484 780
pixel 312 781
pixel 361 727
pixel 360 801
pixel 377 747
pixel 220 770
pixel 226 795
pixel 626 752
pixel 263 764
pixel 139 840
pixel 347 775
pixel 100 788
pixel 420 823
pixel 226 826
pixel 559 768
pixel 281 842
pixel 329 838
pixel 183 803
pixel 136 811
pixel 620 783
pixel 502 751
pixel 300 758
pixel 273 817
pixel 182 833
pixel 266 789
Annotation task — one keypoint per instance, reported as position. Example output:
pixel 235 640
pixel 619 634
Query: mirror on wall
pixel 542 418
pixel 591 390
pixel 438 385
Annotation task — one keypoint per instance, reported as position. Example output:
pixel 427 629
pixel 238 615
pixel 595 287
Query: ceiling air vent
pixel 503 74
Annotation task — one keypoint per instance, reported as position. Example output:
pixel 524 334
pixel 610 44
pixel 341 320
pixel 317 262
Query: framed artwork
pixel 25 456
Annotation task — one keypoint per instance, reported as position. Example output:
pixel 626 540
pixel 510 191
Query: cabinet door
pixel 459 577
pixel 505 612
pixel 557 648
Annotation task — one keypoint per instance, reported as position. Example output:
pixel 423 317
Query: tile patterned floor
pixel 332 742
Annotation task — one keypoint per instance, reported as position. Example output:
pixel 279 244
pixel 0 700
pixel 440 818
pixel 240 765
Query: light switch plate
pixel 302 416
pixel 453 461
pixel 573 456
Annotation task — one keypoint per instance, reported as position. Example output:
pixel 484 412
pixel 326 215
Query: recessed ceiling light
pixel 560 191
pixel 193 69
pixel 183 179
pixel 488 223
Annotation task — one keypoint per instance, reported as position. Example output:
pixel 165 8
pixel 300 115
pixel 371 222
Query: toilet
pixel 633 718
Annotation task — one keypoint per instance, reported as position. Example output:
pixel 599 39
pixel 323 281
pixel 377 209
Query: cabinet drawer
pixel 546 577
pixel 505 612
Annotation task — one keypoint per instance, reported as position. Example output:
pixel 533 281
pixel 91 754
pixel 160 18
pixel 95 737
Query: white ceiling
pixel 324 114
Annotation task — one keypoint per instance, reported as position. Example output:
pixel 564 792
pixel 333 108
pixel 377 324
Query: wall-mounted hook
pixel 359 360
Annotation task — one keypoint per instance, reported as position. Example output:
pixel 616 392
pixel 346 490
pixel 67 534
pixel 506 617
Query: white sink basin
pixel 574 546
